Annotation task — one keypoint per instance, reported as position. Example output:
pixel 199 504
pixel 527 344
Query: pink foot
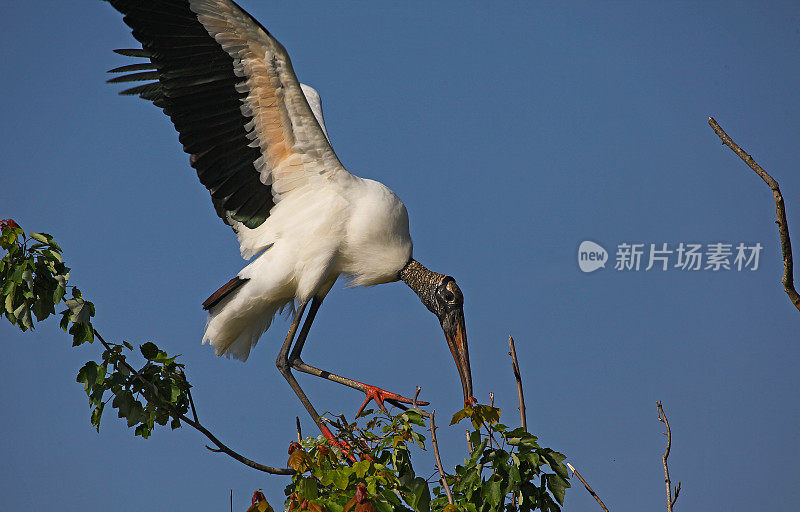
pixel 342 445
pixel 379 395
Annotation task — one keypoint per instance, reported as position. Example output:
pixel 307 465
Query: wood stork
pixel 256 138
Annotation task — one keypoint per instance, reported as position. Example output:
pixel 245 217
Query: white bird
pixel 258 141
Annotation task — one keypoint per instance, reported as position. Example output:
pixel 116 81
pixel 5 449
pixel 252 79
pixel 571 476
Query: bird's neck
pixel 422 281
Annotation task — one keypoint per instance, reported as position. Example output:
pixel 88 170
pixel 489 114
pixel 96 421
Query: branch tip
pixel 783 230
pixel 588 488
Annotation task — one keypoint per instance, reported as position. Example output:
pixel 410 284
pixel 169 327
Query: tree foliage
pixel 372 471
pixel 506 469
pixel 34 279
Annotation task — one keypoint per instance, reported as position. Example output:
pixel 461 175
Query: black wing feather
pixel 196 88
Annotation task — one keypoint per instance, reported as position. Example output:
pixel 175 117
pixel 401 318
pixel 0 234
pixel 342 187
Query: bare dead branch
pixel 662 417
pixel 518 377
pixel 221 448
pixel 434 443
pixel 416 395
pixel 297 425
pixel 438 459
pixel 588 488
pixel 783 228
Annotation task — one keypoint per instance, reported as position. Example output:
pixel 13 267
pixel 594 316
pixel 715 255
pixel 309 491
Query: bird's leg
pixel 282 362
pixel 372 392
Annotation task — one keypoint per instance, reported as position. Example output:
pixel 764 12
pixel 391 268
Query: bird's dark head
pixel 442 296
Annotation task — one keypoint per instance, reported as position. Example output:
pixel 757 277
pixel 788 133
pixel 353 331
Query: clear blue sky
pixel 512 134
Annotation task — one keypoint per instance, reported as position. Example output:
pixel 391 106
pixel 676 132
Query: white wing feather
pixel 315 102
pixel 286 117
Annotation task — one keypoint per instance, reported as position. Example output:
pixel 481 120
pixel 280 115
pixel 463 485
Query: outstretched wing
pixel 229 88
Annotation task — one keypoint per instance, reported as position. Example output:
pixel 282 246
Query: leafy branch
pixel 505 471
pixel 34 281
pixel 508 477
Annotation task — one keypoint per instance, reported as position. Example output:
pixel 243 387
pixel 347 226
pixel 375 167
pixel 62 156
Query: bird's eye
pixel 448 296
pixel 448 292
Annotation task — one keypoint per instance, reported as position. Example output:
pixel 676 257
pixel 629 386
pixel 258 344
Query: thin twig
pixel 783 228
pixel 662 417
pixel 191 400
pixel 221 448
pixel 416 395
pixel 518 377
pixel 438 459
pixel 434 444
pixel 299 432
pixel 588 488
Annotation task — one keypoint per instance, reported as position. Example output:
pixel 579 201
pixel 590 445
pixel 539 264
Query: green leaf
pixel 175 392
pixel 382 506
pixel 478 451
pixel 554 460
pixel 43 308
pixel 143 430
pixel 80 311
pixel 466 412
pixel 88 375
pixel 418 495
pixel 23 315
pixel 341 477
pixel 40 237
pixel 16 276
pixel 135 413
pixel 50 254
pixel 10 303
pixel 9 286
pixel 557 487
pixel 64 323
pixel 361 468
pixel 123 401
pixel 58 293
pixel 475 437
pixel 97 413
pixel 493 490
pixel 149 350
pixel 372 486
pixel 365 413
pixel 81 333
pixel 27 278
pixel 307 488
pixel 414 417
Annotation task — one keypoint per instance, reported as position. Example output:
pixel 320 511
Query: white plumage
pixel 325 222
pixel 257 139
pixel 352 226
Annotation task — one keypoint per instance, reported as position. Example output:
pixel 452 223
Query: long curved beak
pixel 455 331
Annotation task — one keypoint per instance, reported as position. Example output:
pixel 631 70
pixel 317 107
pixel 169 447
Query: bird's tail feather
pixel 224 290
pixel 238 318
